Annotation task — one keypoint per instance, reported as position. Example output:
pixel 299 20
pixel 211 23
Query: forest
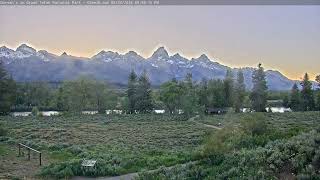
pixel 187 96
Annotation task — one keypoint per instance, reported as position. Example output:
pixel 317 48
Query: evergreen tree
pixel 203 93
pixel 258 95
pixel 60 101
pixel 228 88
pixel 240 90
pixel 144 94
pixel 7 91
pixel 285 101
pixel 307 94
pixel 295 98
pixel 131 92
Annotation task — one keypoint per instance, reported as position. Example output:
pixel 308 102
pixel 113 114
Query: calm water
pixel 273 109
pixel 157 111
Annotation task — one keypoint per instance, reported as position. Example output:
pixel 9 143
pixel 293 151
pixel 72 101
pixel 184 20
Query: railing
pixel 20 145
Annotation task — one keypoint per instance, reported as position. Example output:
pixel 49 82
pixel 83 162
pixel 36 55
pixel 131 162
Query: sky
pixel 284 38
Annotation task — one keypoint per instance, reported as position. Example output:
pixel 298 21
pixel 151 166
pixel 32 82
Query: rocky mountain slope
pixel 27 64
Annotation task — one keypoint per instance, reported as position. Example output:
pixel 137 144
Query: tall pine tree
pixel 295 98
pixel 228 88
pixel 203 93
pixel 239 91
pixel 258 95
pixel 132 92
pixel 144 94
pixel 307 94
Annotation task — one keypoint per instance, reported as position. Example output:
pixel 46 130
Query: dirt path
pixel 206 125
pixel 122 177
pixel 130 176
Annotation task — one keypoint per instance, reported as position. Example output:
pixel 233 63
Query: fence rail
pixel 20 145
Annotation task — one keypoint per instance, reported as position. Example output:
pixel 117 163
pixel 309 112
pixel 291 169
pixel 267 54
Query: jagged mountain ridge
pixel 27 64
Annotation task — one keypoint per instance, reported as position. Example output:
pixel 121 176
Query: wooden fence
pixel 20 145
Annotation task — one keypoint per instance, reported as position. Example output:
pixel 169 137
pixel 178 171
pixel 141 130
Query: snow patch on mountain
pixel 24 51
pixel 109 65
pixel 160 54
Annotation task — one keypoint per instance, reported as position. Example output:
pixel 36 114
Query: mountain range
pixel 26 64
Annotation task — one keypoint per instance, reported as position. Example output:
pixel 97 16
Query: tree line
pixel 304 99
pixel 175 96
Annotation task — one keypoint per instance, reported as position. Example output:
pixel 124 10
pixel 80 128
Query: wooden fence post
pixel 40 159
pixel 19 150
pixel 29 154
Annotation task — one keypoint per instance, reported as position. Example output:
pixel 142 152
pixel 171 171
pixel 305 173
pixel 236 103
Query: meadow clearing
pixel 124 144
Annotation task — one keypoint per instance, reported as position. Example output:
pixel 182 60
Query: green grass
pixel 3 150
pixel 284 121
pixel 131 143
pixel 289 148
pixel 126 143
pixel 61 155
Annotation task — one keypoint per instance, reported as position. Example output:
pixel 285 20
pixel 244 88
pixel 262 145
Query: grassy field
pixel 122 144
pixel 305 120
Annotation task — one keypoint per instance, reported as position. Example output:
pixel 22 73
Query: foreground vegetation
pixel 255 146
pixel 122 144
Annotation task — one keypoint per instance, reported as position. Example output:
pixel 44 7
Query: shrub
pixel 35 111
pixel 254 124
pixel 3 130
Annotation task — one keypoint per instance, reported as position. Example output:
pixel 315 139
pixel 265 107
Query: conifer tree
pixel 258 95
pixel 307 94
pixel 144 94
pixel 295 98
pixel 228 88
pixel 240 89
pixel 131 92
pixel 203 93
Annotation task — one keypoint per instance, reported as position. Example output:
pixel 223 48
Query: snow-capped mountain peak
pixel 44 52
pixel 131 53
pixel 179 60
pixel 177 56
pixel 6 52
pixel 25 49
pixel 106 56
pixel 45 55
pixel 4 48
pixel 203 57
pixel 64 54
pixel 160 53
